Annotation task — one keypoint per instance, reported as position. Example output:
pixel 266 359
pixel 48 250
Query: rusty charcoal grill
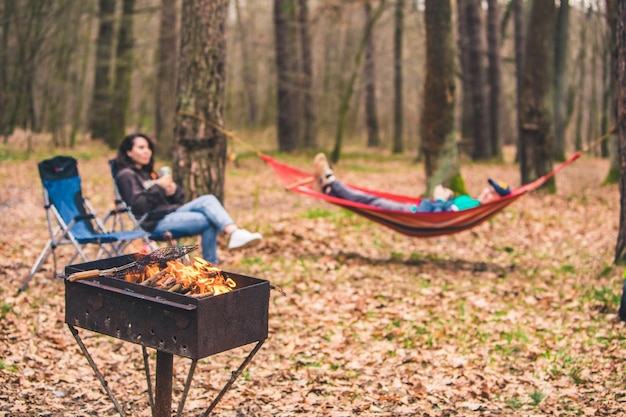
pixel 171 323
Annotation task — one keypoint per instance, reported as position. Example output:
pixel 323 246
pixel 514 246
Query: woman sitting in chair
pixel 164 202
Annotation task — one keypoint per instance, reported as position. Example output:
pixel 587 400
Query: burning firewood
pixel 198 279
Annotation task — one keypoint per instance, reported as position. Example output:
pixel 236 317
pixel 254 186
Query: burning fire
pixel 199 279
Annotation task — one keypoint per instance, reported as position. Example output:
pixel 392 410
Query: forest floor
pixel 516 317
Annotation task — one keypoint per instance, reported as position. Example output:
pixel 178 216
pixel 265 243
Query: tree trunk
pixel 79 82
pixel 581 65
pixel 344 105
pixel 398 146
pixel 309 136
pixel 437 125
pixel 100 106
pixel 249 80
pixel 495 77
pixel 592 109
pixel 286 70
pixel 3 68
pixel 123 72
pixel 518 23
pixel 166 79
pixel 620 248
pixel 610 110
pixel 536 122
pixel 369 79
pixel 477 81
pixel 27 25
pixel 463 53
pixel 559 80
pixel 200 143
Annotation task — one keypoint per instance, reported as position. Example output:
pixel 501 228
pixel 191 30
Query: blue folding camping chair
pixel 72 219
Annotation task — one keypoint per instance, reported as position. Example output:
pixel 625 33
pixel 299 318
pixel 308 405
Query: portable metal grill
pixel 171 323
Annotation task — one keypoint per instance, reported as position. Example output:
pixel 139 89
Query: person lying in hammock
pixel 443 198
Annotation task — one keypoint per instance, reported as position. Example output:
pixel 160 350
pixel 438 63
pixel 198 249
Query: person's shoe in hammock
pixel 322 173
pixel 500 187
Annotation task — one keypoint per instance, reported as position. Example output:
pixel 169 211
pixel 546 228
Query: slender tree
pixel 123 71
pixel 286 71
pixel 247 70
pixel 309 135
pixel 620 248
pixel 200 143
pixel 467 112
pixel 398 146
pixel 559 79
pixel 477 81
pixel 494 73
pixel 4 7
pixel 166 79
pixel 344 105
pixel 100 106
pixel 609 96
pixel 535 118
pixel 369 77
pixel 437 124
pixel 581 66
pixel 518 23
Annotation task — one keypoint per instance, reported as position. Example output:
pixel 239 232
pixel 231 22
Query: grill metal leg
pixel 233 377
pixel 161 405
pixel 192 369
pixel 95 369
pixel 146 365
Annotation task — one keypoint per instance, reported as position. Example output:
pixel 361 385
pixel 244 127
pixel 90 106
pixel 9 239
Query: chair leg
pixel 40 260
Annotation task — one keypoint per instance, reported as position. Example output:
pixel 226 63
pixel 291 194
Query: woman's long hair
pixel 122 160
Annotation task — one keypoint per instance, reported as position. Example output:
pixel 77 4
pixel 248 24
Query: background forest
pixel 50 62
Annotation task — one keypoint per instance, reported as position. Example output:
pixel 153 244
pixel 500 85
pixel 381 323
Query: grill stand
pixel 161 402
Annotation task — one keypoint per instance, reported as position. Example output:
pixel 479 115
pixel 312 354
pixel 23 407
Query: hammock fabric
pixel 410 224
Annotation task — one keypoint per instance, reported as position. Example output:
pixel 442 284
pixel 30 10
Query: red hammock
pixel 410 224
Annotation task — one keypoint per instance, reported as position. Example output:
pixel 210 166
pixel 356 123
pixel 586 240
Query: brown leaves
pixel 515 317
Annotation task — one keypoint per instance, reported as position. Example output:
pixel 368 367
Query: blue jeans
pixel 203 216
pixel 338 189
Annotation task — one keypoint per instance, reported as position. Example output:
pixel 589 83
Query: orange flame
pixel 199 279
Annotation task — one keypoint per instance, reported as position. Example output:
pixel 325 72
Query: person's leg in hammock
pixel 326 182
pixel 443 198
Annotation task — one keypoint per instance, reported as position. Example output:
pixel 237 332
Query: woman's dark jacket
pixel 139 191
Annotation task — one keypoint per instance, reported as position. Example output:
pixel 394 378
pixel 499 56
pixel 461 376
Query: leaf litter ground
pixel 515 317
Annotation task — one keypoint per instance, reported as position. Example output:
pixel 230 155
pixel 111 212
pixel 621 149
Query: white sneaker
pixel 241 238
